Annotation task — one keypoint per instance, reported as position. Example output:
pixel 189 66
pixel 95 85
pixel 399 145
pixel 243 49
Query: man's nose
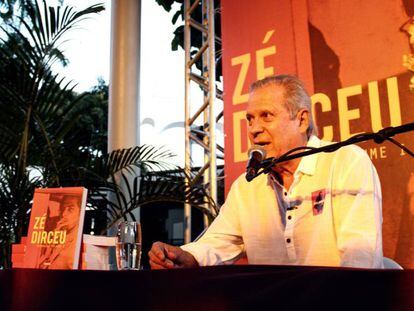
pixel 408 27
pixel 255 128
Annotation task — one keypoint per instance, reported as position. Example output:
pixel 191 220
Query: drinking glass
pixel 128 245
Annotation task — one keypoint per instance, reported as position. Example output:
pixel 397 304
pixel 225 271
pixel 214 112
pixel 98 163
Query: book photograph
pixel 55 229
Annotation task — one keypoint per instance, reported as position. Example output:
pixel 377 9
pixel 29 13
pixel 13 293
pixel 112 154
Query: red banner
pixel 350 56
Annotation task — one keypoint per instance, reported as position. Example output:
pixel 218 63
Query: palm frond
pixel 143 157
pixel 149 188
pixel 47 26
pixel 130 179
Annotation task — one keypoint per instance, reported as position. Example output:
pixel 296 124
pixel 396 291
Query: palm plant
pixel 37 106
pixel 128 179
pixel 42 144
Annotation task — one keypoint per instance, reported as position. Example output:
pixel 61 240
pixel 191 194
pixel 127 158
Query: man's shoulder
pixel 349 152
pixel 243 192
pixel 242 184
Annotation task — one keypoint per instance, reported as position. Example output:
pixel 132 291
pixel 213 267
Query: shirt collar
pixel 307 165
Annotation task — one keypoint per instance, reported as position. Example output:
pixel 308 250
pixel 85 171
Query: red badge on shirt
pixel 318 199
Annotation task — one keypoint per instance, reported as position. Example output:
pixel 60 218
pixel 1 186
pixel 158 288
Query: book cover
pixel 55 228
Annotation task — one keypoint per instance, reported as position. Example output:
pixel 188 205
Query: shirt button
pixel 288 240
pixel 289 217
pixel 285 193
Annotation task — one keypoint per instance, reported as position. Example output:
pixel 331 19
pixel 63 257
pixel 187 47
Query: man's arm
pixel 221 243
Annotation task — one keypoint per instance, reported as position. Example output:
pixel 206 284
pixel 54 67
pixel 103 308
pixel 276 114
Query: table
pixel 250 287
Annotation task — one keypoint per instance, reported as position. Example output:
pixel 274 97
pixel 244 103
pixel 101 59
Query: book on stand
pixel 55 228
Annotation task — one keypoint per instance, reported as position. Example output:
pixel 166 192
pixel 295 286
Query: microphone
pixel 256 155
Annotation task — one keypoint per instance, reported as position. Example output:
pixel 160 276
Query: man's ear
pixel 303 120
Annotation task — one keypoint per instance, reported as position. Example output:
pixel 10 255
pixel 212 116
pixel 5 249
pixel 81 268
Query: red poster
pixel 351 56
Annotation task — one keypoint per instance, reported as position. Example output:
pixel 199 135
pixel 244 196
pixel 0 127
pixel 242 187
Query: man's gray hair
pixel 296 96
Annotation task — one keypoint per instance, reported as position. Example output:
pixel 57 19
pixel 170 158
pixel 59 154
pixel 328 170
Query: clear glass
pixel 128 246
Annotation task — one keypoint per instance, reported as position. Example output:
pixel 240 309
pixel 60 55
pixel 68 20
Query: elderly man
pixel 323 209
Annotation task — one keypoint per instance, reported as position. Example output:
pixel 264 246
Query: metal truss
pixel 206 110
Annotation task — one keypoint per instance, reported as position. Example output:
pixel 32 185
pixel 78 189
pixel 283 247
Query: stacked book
pixel 55 239
pixel 95 252
pixel 18 252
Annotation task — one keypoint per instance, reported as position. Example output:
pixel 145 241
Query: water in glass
pixel 128 246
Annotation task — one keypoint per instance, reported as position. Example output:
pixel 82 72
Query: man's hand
pixel 165 256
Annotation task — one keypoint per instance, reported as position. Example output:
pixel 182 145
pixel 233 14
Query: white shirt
pixel 331 216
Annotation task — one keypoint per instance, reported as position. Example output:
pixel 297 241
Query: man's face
pixel 70 213
pixel 270 124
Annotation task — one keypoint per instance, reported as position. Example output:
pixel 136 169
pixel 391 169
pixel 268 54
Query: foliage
pixel 39 110
pixel 127 179
pixel 50 136
pixel 196 37
pixel 8 9
pixel 89 133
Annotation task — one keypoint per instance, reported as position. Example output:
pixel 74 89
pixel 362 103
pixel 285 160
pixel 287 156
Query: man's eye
pixel 267 116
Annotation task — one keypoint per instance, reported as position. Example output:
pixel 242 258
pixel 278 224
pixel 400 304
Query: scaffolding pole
pixel 204 135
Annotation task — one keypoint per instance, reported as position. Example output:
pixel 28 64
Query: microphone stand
pixel 378 137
